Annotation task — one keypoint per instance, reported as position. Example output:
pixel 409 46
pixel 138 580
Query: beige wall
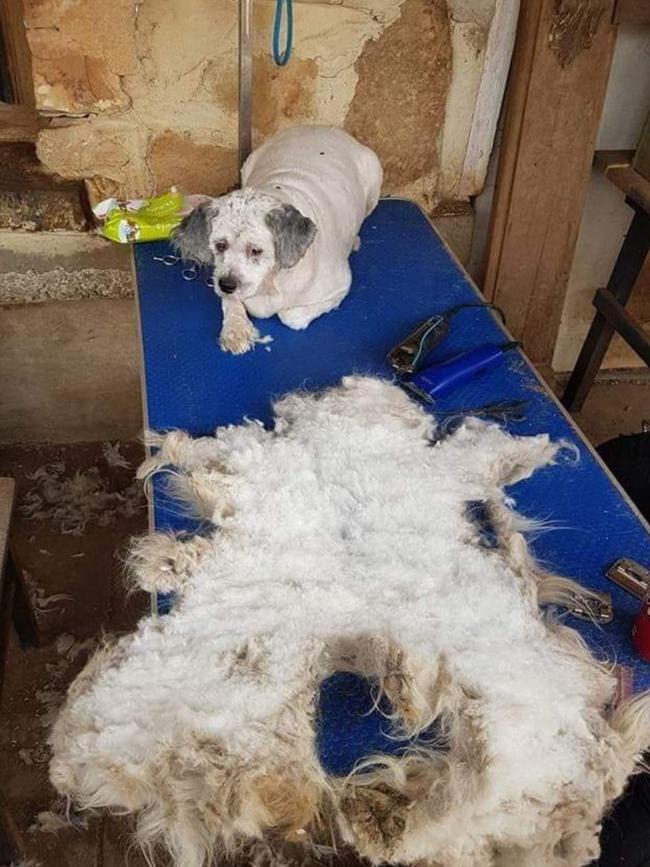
pixel 144 94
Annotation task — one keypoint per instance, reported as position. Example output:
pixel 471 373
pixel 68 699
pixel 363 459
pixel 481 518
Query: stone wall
pixel 141 95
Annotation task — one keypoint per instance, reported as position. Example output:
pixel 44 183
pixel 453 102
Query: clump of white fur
pixel 343 542
pixel 71 502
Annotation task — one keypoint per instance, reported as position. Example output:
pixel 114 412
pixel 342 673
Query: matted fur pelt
pixel 344 541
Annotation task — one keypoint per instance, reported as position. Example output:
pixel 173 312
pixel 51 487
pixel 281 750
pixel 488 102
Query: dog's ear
pixel 292 234
pixel 191 238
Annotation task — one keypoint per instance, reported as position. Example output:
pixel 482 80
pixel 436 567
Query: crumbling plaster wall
pixel 141 95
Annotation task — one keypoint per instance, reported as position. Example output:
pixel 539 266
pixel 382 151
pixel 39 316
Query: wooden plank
pixel 18 123
pixel 7 493
pixel 606 304
pixel 604 160
pixel 557 88
pixel 634 185
pixel 617 166
pixel 498 54
pixel 24 615
pixel 19 57
pixel 632 12
pixel 641 161
pixel 15 602
pixel 7 599
pixel 514 111
pixel 12 845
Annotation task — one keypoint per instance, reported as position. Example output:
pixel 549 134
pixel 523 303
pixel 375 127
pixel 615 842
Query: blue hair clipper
pixel 438 379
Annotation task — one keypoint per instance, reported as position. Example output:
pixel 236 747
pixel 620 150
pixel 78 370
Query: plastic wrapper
pixel 144 219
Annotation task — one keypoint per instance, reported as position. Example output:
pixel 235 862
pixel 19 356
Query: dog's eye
pixel 221 246
pixel 256 251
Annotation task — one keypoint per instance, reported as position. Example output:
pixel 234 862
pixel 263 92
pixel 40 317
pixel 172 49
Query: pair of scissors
pixel 170 260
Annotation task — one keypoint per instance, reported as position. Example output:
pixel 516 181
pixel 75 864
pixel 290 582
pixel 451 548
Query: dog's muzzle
pixel 228 285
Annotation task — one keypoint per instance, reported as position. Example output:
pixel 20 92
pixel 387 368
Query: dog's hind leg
pixel 299 318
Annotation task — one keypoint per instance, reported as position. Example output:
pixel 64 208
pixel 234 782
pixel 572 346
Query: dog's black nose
pixel 228 285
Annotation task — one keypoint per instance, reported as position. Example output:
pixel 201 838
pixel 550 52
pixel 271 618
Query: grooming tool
pixel 512 410
pixel 635 578
pixel 438 379
pixel 631 576
pixel 501 412
pixel 404 357
pixel 595 607
pixel 410 352
pixel 190 273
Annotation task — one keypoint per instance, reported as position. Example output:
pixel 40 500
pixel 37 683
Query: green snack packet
pixel 140 219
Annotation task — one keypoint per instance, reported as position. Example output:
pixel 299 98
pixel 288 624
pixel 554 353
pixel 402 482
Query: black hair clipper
pixel 406 356
pixel 409 353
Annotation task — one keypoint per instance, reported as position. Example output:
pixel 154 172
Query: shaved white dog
pixel 280 245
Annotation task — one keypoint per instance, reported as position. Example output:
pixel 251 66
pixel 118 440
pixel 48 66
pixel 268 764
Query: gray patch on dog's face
pixel 241 244
pixel 292 234
pixel 246 236
pixel 192 238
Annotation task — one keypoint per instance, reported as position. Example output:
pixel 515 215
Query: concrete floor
pixel 88 570
pixel 615 407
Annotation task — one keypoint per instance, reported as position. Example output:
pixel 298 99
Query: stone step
pixel 33 200
pixel 62 266
pixel 69 350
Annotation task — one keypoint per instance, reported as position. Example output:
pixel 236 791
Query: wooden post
pixel 632 12
pixel 553 105
pixel 19 58
pixel 245 80
pixel 18 119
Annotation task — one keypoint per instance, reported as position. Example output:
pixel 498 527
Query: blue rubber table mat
pixel 403 273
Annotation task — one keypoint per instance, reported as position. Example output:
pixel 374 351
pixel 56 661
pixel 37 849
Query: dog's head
pixel 247 237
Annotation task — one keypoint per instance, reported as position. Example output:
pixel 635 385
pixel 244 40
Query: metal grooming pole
pixel 245 79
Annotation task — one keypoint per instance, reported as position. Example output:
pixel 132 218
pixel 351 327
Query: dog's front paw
pixel 238 339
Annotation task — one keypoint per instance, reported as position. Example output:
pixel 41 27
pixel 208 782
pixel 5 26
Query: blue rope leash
pixel 282 57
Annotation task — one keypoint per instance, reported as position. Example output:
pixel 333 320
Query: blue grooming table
pixel 403 273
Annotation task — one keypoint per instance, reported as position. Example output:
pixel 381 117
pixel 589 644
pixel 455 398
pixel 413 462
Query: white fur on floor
pixel 344 543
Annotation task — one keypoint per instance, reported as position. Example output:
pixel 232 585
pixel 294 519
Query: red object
pixel 641 630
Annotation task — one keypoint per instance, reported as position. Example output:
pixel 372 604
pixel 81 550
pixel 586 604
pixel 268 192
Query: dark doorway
pixel 6 90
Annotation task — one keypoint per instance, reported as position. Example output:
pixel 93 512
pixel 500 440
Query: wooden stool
pixel 611 316
pixel 15 604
